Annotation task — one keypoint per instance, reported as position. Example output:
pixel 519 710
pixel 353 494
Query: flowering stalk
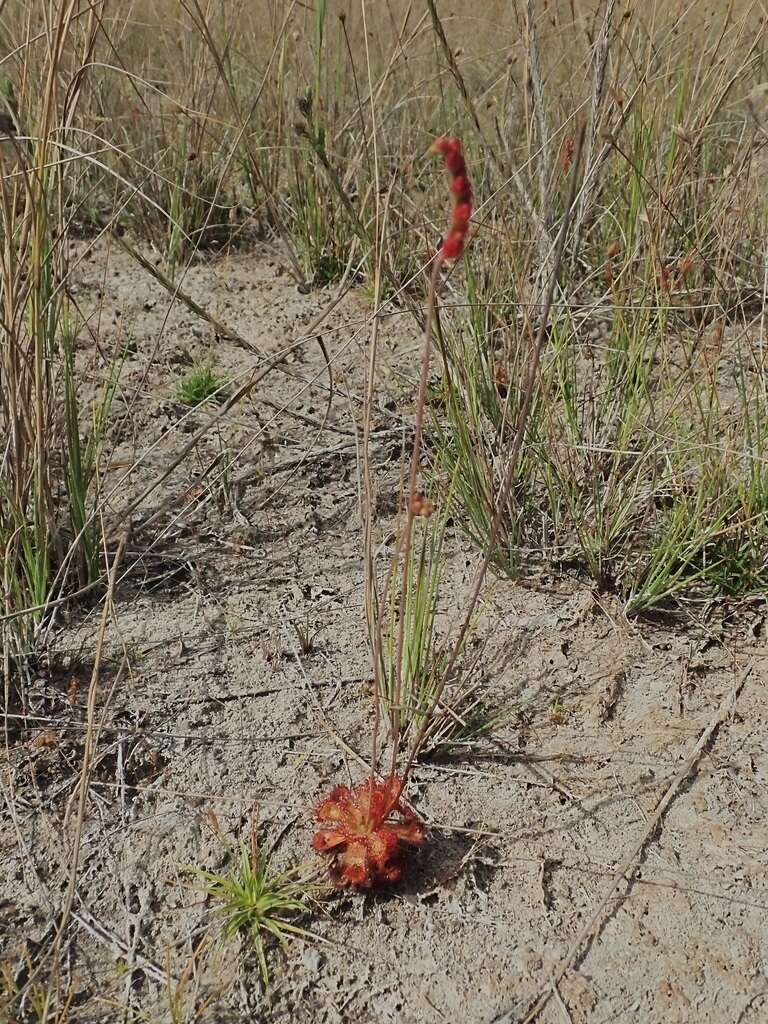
pixel 450 150
pixel 365 844
pixel 452 248
pixel 508 478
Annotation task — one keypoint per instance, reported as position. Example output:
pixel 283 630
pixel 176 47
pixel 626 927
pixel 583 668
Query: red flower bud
pixel 461 189
pixel 450 149
pixel 454 161
pixel 461 215
pixel 453 246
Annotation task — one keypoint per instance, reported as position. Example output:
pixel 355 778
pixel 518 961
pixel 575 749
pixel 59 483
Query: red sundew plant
pixel 367 845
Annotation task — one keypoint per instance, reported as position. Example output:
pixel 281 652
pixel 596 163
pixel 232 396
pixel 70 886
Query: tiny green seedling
pixel 558 712
pixel 306 637
pixel 258 903
pixel 201 384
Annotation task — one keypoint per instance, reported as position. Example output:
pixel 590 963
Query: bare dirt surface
pixel 209 713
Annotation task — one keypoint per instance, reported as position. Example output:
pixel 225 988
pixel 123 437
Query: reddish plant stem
pixel 509 474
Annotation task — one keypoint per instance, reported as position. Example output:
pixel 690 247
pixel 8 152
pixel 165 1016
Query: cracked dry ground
pixel 209 713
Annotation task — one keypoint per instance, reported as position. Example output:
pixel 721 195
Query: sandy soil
pixel 209 713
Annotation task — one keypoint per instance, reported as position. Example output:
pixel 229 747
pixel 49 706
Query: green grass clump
pixel 201 384
pixel 259 903
pixel 411 683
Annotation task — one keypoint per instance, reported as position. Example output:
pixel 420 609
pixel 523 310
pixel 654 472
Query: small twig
pixel 343 450
pixel 233 400
pixel 223 330
pixel 338 740
pixel 98 931
pixel 559 1000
